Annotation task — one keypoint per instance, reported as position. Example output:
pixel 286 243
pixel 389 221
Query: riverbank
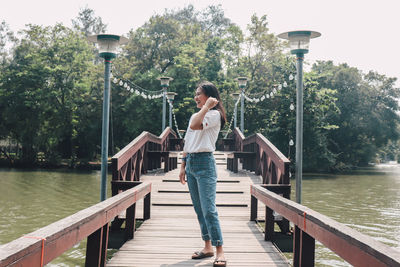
pixel 63 164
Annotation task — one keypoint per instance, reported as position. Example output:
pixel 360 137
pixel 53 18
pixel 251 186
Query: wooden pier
pixel 172 234
pixel 259 189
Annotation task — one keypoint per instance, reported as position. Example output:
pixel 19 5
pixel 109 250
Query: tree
pixel 367 118
pixel 87 23
pixel 42 90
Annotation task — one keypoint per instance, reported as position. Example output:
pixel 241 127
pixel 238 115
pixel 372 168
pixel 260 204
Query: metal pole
pixel 170 114
pixel 105 127
pixel 235 117
pixel 299 126
pixel 242 111
pixel 164 108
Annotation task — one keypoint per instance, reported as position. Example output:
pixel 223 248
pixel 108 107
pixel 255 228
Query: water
pixel 30 200
pixel 367 201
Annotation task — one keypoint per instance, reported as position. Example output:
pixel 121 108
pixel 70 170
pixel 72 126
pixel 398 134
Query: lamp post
pixel 170 96
pixel 108 45
pixel 164 84
pixel 242 85
pixel 299 43
pixel 235 97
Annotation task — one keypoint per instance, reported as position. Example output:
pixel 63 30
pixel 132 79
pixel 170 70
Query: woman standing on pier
pixel 198 165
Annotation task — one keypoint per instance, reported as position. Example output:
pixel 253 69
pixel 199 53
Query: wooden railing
pixel 354 247
pixel 135 159
pixel 270 163
pixel 267 160
pixel 44 245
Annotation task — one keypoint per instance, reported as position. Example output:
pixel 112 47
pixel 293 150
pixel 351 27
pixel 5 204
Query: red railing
pixel 42 246
pixel 136 158
pixel 354 247
pixel 267 160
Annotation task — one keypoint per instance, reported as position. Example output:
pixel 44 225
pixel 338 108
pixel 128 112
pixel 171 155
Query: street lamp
pixel 235 97
pixel 164 84
pixel 170 96
pixel 299 43
pixel 242 81
pixel 108 45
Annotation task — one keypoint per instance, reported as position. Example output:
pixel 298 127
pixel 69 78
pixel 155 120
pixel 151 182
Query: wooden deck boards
pixel 172 234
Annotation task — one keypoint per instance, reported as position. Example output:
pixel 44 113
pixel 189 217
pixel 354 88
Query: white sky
pixel 363 33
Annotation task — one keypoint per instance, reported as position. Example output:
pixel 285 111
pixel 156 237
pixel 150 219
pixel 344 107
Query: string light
pixel 271 94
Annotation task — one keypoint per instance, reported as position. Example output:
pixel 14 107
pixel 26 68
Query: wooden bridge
pixel 145 177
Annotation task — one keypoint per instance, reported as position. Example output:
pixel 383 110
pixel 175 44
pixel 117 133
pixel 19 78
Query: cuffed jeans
pixel 202 182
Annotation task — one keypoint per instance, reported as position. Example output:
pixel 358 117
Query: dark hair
pixel 209 89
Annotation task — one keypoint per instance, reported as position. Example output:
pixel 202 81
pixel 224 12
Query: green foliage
pixel 51 89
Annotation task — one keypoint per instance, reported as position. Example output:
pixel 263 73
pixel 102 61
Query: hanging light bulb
pixel 291 143
pixel 271 94
pixel 291 77
pixel 121 83
pixel 284 84
pixel 115 80
pixel 267 96
pixel 291 106
pixel 262 98
pixel 137 92
pixel 274 91
pixel 125 85
pixel 128 88
pixel 131 90
pixel 280 86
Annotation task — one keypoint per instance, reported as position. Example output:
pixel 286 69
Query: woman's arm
pixel 197 120
pixel 182 173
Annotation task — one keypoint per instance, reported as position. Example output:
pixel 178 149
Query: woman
pixel 198 164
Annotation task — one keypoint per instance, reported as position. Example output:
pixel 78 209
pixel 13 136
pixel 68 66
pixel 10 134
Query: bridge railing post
pixel 303 249
pixel 130 222
pixel 146 207
pixel 96 248
pixel 253 208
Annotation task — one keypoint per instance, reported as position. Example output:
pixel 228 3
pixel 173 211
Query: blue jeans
pixel 202 182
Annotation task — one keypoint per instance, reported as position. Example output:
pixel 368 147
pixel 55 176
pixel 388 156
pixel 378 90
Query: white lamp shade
pixel 242 81
pixel 235 96
pixel 165 81
pixel 108 43
pixel 171 95
pixel 299 41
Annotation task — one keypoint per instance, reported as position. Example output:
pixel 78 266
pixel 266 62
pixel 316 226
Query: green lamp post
pixel 299 42
pixel 164 84
pixel 242 81
pixel 108 45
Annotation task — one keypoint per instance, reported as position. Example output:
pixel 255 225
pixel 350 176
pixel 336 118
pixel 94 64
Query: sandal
pixel 201 255
pixel 219 263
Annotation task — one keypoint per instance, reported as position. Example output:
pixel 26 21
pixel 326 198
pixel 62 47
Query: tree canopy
pixel 51 84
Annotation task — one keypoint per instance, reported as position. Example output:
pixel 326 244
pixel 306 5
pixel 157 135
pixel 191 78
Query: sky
pixel 362 33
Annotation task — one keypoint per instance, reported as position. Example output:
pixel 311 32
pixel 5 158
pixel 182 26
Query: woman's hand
pixel 182 175
pixel 211 102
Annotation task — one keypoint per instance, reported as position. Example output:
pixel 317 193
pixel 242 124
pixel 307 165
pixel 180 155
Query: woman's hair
pixel 209 89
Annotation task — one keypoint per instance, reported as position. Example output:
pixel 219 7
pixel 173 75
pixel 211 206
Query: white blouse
pixel 203 140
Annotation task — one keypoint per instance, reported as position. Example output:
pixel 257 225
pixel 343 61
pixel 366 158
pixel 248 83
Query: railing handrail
pixel 129 150
pixel 354 247
pixel 274 153
pixel 65 233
